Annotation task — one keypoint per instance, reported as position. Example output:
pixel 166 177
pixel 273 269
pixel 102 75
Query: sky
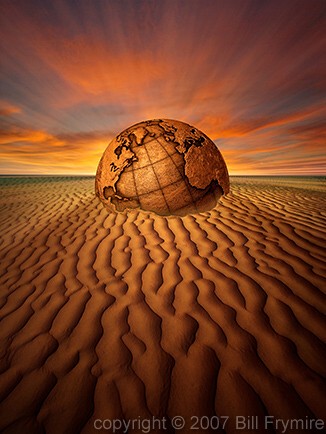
pixel 249 74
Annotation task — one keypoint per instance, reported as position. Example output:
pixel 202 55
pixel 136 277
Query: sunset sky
pixel 249 74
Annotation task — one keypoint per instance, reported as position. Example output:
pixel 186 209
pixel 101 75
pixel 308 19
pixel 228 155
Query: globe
pixel 164 166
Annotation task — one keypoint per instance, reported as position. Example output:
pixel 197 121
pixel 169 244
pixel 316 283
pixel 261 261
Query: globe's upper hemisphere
pixel 164 166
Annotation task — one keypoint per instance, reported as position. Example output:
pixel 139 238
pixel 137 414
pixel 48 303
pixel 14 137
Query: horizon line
pixel 93 175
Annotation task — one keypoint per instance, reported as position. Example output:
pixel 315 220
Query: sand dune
pixel 112 316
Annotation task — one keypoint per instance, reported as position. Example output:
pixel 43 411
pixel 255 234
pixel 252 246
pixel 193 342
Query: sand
pixel 119 317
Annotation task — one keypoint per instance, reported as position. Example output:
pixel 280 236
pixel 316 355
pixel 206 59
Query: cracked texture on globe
pixel 164 166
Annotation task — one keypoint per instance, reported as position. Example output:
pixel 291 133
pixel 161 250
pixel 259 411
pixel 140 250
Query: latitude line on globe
pixel 129 168
pixel 158 189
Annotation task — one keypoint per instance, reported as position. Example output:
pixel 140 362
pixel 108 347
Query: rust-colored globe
pixel 164 166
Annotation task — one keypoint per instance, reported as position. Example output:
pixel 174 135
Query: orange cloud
pixel 39 152
pixel 8 109
pixel 225 127
pixel 251 78
pixel 93 68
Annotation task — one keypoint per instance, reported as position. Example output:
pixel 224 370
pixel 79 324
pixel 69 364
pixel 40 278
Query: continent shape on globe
pixel 164 166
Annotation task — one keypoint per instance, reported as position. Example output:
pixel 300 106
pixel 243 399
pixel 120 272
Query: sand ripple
pixel 108 316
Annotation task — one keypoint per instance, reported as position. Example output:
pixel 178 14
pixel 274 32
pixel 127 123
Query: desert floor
pixel 125 317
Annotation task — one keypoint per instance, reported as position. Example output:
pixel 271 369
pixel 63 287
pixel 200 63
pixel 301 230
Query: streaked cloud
pixel 8 109
pixel 35 151
pixel 247 73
